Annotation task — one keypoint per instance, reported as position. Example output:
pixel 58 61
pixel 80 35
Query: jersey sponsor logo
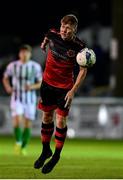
pixel 57 55
pixel 71 53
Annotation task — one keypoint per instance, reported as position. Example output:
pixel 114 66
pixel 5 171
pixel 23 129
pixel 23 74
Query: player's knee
pixel 27 123
pixel 16 121
pixel 47 117
pixel 61 121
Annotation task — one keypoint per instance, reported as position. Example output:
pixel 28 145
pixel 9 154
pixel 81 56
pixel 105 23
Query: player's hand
pixel 68 98
pixel 43 47
pixel 9 89
pixel 44 44
pixel 27 87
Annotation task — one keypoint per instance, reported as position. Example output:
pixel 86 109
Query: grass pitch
pixel 80 159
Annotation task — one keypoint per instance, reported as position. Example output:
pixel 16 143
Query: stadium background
pixel 95 123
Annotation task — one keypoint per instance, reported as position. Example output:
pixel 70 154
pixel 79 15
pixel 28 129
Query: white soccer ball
pixel 86 57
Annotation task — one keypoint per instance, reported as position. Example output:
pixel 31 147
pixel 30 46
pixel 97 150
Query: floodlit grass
pixel 80 159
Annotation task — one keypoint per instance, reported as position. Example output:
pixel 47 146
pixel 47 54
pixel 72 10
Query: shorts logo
pixel 71 53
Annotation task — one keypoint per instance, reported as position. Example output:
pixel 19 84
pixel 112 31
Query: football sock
pixel 26 136
pixel 18 134
pixel 46 134
pixel 60 136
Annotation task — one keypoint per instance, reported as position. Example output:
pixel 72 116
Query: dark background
pixel 27 22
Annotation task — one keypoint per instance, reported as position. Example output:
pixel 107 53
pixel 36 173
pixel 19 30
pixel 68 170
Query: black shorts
pixel 53 98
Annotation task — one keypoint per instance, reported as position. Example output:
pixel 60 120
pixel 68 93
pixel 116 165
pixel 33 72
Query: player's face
pixel 67 31
pixel 24 55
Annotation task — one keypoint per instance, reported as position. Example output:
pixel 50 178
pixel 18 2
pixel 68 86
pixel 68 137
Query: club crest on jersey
pixel 71 53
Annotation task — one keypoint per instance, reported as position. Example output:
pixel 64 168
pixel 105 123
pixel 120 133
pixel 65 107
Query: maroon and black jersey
pixel 61 59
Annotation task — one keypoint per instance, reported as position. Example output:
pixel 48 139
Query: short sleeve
pixel 9 70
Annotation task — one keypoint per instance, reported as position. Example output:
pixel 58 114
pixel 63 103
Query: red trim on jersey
pixel 58 73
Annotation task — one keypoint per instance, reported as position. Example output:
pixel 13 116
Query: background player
pixel 26 78
pixel 58 87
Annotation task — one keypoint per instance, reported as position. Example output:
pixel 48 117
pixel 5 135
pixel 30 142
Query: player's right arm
pixel 6 82
pixel 44 44
pixel 48 36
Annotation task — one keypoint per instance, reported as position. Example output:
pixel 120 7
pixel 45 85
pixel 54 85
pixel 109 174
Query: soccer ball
pixel 86 57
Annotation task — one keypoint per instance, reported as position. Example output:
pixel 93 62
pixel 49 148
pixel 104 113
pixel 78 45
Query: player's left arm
pixel 44 44
pixel 33 86
pixel 81 76
pixel 47 38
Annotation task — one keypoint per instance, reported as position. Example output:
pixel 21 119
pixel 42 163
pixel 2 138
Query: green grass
pixel 81 159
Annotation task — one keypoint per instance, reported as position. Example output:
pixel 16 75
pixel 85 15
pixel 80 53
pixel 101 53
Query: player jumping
pixel 58 87
pixel 26 78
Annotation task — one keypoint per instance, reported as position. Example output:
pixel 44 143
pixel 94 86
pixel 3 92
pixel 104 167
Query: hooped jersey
pixel 61 59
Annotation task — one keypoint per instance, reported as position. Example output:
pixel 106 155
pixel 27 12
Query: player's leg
pixel 60 132
pixel 17 128
pixel 60 136
pixel 17 115
pixel 17 133
pixel 47 129
pixel 47 104
pixel 29 117
pixel 26 134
